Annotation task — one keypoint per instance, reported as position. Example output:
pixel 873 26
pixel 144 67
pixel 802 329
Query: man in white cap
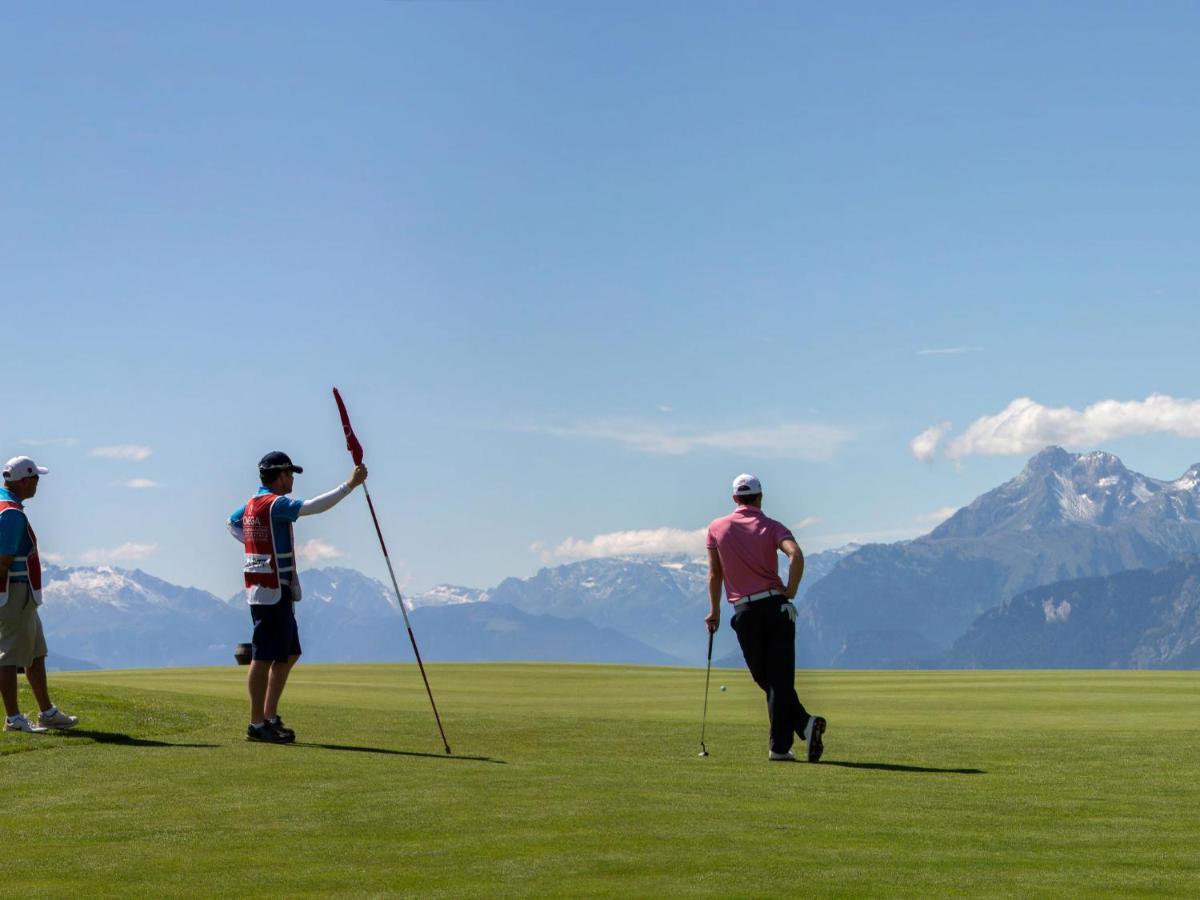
pixel 22 642
pixel 742 557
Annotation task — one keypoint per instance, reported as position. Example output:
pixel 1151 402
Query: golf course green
pixel 571 780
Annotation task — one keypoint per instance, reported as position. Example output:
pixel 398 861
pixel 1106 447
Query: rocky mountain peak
pixel 1058 488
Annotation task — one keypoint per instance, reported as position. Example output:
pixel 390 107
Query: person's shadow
pixel 353 749
pixel 897 767
pixel 123 740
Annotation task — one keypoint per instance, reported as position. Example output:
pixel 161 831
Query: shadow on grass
pixel 353 749
pixel 896 767
pixel 123 740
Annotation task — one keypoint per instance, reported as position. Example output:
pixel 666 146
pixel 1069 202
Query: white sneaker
pixel 781 757
pixel 57 719
pixel 20 723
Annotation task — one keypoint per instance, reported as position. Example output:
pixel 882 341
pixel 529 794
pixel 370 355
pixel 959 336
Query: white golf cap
pixel 22 467
pixel 745 485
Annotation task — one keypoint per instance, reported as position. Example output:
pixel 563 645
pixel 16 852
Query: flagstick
pixel 400 600
pixel 356 453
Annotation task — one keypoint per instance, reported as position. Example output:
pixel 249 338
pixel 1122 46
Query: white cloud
pixel 949 351
pixel 317 551
pixel 129 552
pixel 798 440
pixel 50 442
pixel 55 558
pixel 806 522
pixel 1025 426
pixel 924 445
pixel 135 452
pixel 139 484
pixel 938 516
pixel 626 543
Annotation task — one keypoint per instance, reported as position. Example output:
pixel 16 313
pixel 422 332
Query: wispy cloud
pixel 938 516
pixel 819 542
pixel 317 551
pixel 806 522
pixel 130 552
pixel 924 445
pixel 625 543
pixel 949 351
pixel 1025 426
pixel 135 452
pixel 797 440
pixel 50 442
pixel 139 484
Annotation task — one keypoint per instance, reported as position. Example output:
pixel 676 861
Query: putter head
pixel 702 753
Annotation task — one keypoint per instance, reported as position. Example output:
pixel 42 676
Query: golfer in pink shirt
pixel 743 550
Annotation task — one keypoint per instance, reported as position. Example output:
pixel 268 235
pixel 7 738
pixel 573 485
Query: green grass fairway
pixel 585 781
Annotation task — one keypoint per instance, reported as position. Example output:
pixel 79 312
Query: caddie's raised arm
pixel 311 507
pixel 323 502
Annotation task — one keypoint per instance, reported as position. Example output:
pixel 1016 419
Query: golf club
pixel 704 715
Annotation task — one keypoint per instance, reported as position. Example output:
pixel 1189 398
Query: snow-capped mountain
pixel 1065 515
pixel 1059 488
pixel 446 595
pixel 114 618
pixel 128 619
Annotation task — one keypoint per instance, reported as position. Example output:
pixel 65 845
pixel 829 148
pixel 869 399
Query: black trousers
pixel 768 641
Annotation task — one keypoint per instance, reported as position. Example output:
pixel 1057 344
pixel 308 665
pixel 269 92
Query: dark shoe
pixel 813 733
pixel 277 724
pixel 267 734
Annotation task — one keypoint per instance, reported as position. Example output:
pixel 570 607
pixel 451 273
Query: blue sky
pixel 575 266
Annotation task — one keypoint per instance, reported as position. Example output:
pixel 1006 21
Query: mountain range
pixel 1044 570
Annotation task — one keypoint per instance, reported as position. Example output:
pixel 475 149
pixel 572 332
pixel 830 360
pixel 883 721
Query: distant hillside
pixel 1138 619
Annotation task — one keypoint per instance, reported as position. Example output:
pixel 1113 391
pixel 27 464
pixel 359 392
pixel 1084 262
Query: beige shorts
pixel 21 637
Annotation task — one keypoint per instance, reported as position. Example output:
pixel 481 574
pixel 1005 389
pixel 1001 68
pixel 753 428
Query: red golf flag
pixel 352 444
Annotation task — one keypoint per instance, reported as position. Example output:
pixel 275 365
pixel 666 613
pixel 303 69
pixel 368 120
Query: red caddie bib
pixel 33 564
pixel 264 563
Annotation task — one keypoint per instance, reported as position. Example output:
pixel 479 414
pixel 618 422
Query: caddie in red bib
pixel 22 641
pixel 268 570
pixel 264 527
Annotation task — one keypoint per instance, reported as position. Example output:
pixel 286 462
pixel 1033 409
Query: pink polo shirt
pixel 747 543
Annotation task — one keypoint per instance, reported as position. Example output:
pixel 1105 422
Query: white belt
pixel 762 595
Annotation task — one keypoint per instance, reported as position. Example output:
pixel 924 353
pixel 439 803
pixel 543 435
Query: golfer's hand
pixel 357 477
pixel 713 621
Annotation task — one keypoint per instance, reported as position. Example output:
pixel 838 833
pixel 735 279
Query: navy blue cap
pixel 277 461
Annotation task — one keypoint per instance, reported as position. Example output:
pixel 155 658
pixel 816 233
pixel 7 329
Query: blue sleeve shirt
pixel 14 533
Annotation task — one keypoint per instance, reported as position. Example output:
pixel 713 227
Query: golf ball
pixel 722 687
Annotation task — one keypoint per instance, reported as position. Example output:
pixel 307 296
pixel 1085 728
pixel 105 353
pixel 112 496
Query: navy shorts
pixel 276 635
